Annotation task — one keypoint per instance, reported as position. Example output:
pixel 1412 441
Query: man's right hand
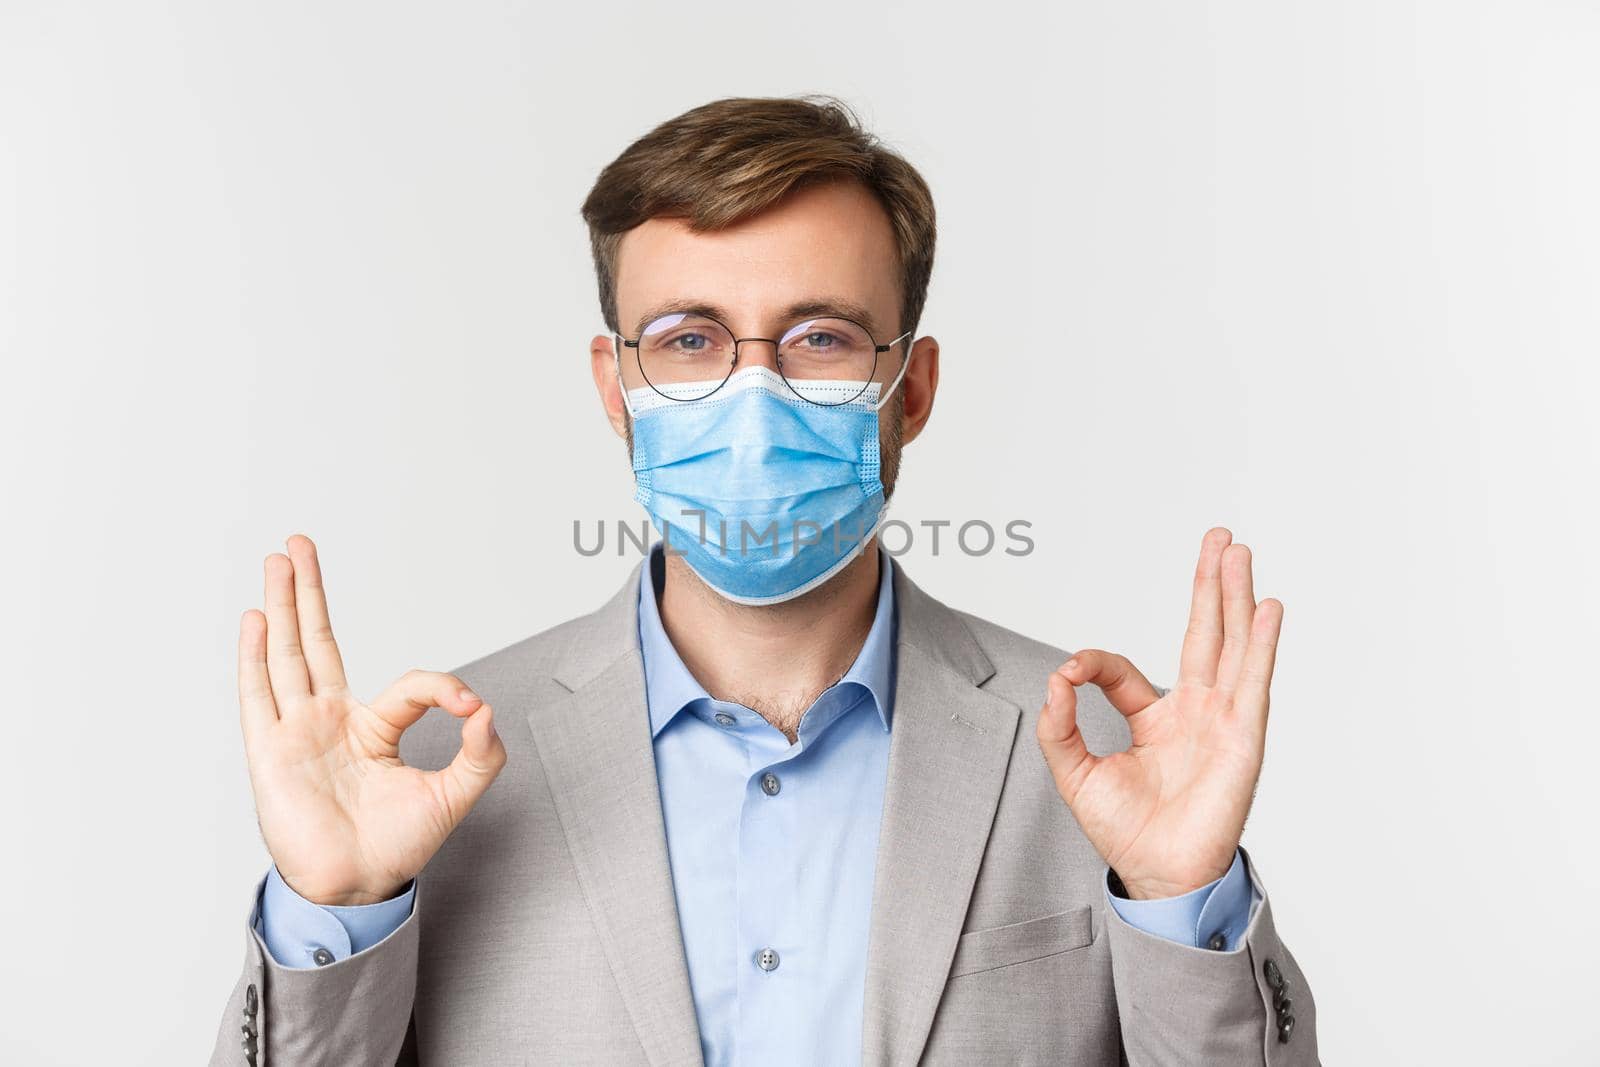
pixel 345 821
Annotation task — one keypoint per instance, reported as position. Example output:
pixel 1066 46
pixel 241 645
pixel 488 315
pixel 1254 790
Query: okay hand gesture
pixel 1167 813
pixel 345 820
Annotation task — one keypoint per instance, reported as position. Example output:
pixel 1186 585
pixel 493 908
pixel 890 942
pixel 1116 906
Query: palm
pixel 345 820
pixel 1167 813
pixel 337 807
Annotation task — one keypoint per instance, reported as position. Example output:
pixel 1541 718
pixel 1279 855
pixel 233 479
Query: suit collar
pixel 928 624
pixel 938 632
pixel 598 639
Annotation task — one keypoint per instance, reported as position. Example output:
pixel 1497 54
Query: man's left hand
pixel 1167 813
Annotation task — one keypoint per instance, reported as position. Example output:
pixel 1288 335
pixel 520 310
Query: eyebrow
pixel 792 314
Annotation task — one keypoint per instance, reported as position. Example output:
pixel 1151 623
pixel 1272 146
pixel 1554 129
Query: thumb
pixel 1064 750
pixel 475 766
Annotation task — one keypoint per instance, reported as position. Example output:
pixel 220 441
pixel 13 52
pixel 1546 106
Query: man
pixel 771 803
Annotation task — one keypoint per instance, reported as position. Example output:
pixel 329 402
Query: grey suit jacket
pixel 546 931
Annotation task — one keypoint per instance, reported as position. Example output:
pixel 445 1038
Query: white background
pixel 1324 274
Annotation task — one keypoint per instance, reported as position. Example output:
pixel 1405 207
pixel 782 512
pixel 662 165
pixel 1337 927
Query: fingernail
pixel 468 695
pixel 1072 665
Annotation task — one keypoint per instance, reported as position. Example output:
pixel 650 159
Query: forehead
pixel 832 240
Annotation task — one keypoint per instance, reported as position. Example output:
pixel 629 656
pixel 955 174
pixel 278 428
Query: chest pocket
pixel 1031 939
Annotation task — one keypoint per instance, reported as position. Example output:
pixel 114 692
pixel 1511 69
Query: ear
pixel 603 364
pixel 919 385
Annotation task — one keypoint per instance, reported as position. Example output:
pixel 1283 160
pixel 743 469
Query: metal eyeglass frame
pixel 776 344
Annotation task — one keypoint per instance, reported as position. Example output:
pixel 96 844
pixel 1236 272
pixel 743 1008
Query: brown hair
pixel 725 161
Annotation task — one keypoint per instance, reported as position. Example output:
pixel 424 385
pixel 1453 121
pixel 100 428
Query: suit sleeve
pixel 1179 1004
pixel 355 1011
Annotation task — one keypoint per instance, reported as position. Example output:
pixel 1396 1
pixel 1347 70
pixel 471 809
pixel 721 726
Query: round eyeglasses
pixel 829 360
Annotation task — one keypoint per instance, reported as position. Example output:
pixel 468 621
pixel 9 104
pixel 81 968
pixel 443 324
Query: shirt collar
pixel 669 687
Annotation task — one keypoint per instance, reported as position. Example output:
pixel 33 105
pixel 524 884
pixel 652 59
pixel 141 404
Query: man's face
pixel 823 243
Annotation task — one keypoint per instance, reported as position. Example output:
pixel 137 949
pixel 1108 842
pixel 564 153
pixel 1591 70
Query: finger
pixel 286 666
pixel 1238 610
pixel 415 691
pixel 1064 750
pixel 1255 678
pixel 1129 691
pixel 475 766
pixel 257 710
pixel 1202 641
pixel 316 632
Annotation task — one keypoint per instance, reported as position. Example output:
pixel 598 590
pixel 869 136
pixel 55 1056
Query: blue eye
pixel 691 349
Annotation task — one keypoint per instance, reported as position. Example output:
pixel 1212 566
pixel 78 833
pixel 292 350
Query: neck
pixel 775 659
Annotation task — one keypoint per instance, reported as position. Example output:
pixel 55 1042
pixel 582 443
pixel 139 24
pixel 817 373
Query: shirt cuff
pixel 1214 916
pixel 302 934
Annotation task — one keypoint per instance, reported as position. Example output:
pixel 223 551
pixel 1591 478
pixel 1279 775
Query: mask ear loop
pixel 616 352
pixel 905 365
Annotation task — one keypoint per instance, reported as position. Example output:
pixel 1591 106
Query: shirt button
pixel 1217 942
pixel 770 784
pixel 322 957
pixel 724 719
pixel 767 959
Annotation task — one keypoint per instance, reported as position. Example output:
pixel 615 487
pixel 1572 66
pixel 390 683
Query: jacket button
pixel 1285 1028
pixel 250 999
pixel 1274 976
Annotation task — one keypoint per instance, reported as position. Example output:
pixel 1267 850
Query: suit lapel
pixel 950 744
pixel 596 749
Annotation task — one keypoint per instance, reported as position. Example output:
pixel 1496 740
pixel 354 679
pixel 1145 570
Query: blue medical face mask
pixel 764 494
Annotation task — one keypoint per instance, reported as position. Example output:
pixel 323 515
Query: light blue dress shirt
pixel 772 848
